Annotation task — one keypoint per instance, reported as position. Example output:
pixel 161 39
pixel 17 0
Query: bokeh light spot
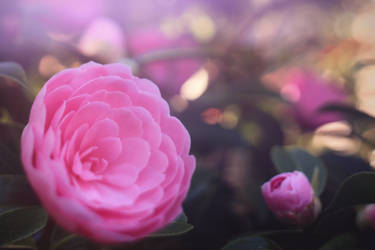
pixel 196 85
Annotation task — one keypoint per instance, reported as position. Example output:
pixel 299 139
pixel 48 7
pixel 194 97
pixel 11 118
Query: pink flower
pixel 309 92
pixel 104 155
pixel 169 74
pixel 291 198
pixel 103 38
pixel 366 217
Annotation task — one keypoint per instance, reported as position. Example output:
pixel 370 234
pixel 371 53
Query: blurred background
pixel 242 75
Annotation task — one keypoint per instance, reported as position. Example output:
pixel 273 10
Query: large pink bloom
pixel 104 155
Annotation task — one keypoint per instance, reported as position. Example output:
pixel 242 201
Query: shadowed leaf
pixel 253 242
pixel 179 226
pixel 21 223
pixel 356 190
pixel 16 191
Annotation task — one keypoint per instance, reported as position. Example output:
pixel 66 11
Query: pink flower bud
pixel 366 217
pixel 291 198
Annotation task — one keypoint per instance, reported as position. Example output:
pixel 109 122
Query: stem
pixel 44 242
pixel 173 54
pixel 362 64
pixel 364 139
pixel 63 241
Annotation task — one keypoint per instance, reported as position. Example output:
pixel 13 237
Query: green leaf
pixel 70 241
pixel 282 160
pixel 253 242
pixel 21 223
pixel 179 226
pixel 14 72
pixel 16 191
pixel 356 190
pixel 27 243
pixel 292 159
pixel 312 167
pixel 10 163
pixel 271 234
pixel 61 240
pixel 341 242
pixel 351 112
pixel 359 120
pixel 15 94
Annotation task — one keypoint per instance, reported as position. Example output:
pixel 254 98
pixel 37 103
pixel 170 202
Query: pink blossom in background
pixel 169 74
pixel 104 155
pixel 311 93
pixel 308 92
pixel 291 197
pixel 63 15
pixel 103 39
pixel 366 217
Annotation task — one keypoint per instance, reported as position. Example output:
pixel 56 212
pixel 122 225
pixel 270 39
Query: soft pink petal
pixel 118 69
pixel 178 133
pixel 116 99
pixel 128 123
pixel 108 148
pixel 151 130
pixel 121 175
pixel 153 104
pixel 55 99
pixel 148 86
pixel 100 129
pixel 88 113
pixel 74 142
pixel 136 152
pixel 109 83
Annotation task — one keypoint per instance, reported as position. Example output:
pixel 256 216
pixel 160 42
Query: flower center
pixel 89 167
pixel 275 184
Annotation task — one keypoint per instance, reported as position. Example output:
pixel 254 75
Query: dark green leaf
pixel 282 160
pixel 27 243
pixel 179 226
pixel 15 94
pixel 312 167
pixel 284 232
pixel 10 163
pixel 13 71
pixel 341 242
pixel 61 240
pixel 70 241
pixel 21 223
pixel 182 218
pixel 292 159
pixel 16 191
pixel 250 243
pixel 336 222
pixel 359 120
pixel 349 111
pixel 356 190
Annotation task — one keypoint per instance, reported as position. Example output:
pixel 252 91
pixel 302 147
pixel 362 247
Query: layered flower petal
pixel 104 155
